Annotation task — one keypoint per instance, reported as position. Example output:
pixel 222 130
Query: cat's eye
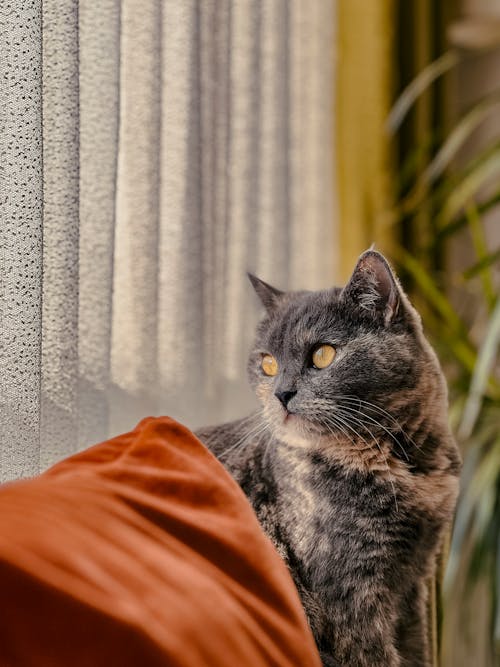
pixel 269 365
pixel 323 356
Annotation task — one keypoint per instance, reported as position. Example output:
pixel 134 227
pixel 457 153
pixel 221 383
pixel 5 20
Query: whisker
pixel 384 457
pixel 260 428
pixel 333 420
pixel 342 419
pixel 373 421
pixel 266 448
pixel 341 400
pixel 355 399
pixel 327 422
pixel 349 415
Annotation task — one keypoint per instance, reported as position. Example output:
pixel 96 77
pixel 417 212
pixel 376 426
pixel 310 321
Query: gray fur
pixel 356 484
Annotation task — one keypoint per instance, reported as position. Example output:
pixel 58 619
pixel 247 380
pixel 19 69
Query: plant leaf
pixel 484 263
pixel 496 631
pixel 478 33
pixel 463 519
pixel 468 187
pixel 458 136
pixel 455 225
pixel 481 374
pixel 481 248
pixel 458 342
pixel 437 197
pixel 422 81
pixel 475 527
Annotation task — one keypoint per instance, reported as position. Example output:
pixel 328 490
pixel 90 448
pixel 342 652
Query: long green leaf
pixel 485 361
pixel 482 492
pixel 496 630
pixel 476 32
pixel 484 263
pixel 476 513
pixel 458 342
pixel 437 197
pixel 422 81
pixel 431 290
pixel 485 475
pixel 452 227
pixel 459 135
pixel 414 159
pixel 481 248
pixel 463 519
pixel 469 186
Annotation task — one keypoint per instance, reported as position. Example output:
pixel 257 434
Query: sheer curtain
pixel 151 153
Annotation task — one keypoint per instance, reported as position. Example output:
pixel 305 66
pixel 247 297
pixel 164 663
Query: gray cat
pixel 349 464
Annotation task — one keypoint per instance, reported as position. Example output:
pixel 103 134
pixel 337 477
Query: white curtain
pixel 151 153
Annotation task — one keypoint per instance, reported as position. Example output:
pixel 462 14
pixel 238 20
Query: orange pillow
pixel 143 551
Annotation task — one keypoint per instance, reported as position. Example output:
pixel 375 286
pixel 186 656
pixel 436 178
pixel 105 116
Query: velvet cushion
pixel 143 551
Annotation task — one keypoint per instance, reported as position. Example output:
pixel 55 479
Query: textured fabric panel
pixel 99 27
pixel 20 236
pixel 314 256
pixel 246 184
pixel 179 290
pixel 184 143
pixel 134 347
pixel 243 142
pixel 59 374
pixel 214 136
pixel 272 178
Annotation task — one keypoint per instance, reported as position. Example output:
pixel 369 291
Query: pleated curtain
pixel 152 153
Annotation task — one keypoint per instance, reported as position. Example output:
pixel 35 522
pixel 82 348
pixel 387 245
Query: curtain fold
pixel 99 59
pixel 60 155
pixel 135 294
pixel 20 237
pixel 180 293
pixel 234 112
pixel 312 187
pixel 152 153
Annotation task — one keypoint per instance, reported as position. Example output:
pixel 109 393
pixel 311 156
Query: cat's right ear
pixel 373 288
pixel 268 295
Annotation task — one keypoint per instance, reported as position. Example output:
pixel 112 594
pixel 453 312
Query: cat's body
pixel 351 468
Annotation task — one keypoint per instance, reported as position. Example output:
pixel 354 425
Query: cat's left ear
pixel 268 294
pixel 374 288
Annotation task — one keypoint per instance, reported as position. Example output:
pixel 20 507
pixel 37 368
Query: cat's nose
pixel 285 396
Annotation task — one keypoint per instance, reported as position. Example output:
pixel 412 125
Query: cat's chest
pixel 327 514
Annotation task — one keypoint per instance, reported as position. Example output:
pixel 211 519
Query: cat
pixel 350 464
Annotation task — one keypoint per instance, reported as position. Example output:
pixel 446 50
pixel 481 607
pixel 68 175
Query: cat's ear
pixel 374 288
pixel 267 294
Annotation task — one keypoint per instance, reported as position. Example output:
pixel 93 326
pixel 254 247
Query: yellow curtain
pixel 364 93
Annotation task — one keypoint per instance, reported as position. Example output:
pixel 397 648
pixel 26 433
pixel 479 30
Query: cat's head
pixel 346 368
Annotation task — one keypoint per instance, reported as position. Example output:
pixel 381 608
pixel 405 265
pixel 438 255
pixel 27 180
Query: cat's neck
pixel 417 441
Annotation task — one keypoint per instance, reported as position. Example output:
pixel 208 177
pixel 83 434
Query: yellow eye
pixel 269 365
pixel 323 356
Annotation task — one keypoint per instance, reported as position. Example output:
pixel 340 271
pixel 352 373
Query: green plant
pixel 462 316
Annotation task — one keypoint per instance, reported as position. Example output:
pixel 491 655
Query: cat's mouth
pixel 292 424
pixel 290 415
pixel 296 421
pixel 286 417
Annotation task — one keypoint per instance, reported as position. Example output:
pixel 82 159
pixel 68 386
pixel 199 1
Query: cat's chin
pixel 292 428
pixel 295 431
